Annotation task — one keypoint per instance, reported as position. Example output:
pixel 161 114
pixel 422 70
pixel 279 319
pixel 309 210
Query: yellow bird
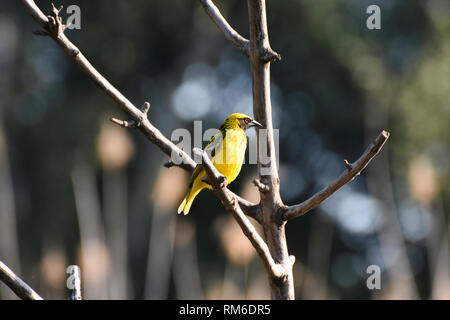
pixel 226 150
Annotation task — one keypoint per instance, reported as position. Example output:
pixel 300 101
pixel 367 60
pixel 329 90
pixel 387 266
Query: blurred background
pixel 75 189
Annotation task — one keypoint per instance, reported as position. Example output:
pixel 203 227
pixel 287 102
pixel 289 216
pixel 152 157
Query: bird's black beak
pixel 254 123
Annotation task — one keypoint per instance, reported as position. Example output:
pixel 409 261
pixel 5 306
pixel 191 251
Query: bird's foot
pixel 223 182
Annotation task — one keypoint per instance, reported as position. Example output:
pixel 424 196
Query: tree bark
pixel 20 288
pixel 261 55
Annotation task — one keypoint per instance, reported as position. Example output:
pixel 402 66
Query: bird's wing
pixel 195 174
pixel 214 144
pixel 210 150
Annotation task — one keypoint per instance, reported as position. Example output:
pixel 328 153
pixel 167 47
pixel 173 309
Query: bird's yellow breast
pixel 230 156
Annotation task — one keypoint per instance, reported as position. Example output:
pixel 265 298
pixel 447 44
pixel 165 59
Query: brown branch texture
pixel 17 285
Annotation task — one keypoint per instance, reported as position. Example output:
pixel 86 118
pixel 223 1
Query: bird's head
pixel 239 120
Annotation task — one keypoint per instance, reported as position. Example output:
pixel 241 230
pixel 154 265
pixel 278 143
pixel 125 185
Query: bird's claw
pixel 223 182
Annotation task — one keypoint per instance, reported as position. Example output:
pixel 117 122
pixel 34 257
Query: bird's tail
pixel 185 206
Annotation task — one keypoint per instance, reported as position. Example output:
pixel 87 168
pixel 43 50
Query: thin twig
pixel 262 187
pixel 274 269
pixel 232 35
pixel 125 123
pixel 352 170
pixel 20 288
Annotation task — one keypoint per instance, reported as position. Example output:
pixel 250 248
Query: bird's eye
pixel 247 120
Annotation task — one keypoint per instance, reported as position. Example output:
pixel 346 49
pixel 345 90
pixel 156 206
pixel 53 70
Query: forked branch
pixel 139 118
pixel 351 171
pixel 232 35
pixel 274 254
pixel 274 269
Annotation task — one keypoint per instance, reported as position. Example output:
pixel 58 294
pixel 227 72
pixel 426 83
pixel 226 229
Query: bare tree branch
pixel 232 35
pixel 260 48
pixel 52 25
pixel 271 213
pixel 36 13
pixel 16 284
pixel 261 56
pixel 352 170
pixel 218 183
pixel 125 123
pixel 132 123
